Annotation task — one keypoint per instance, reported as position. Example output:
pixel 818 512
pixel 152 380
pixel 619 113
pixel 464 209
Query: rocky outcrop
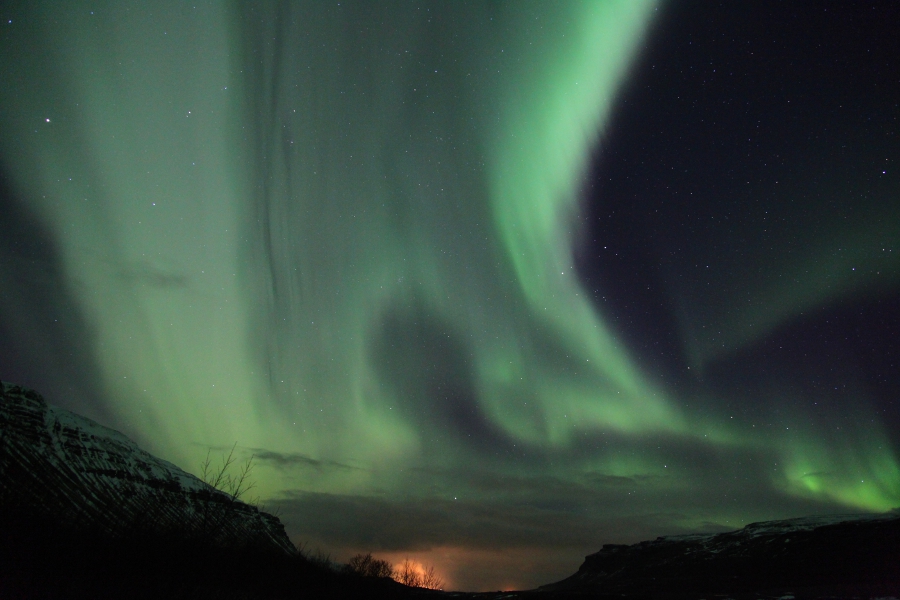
pixel 61 468
pixel 808 557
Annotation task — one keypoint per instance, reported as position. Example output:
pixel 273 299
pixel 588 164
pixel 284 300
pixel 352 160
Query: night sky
pixel 484 284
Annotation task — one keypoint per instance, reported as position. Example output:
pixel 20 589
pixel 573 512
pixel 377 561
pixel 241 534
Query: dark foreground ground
pixel 40 562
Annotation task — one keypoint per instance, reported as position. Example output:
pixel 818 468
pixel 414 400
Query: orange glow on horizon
pixel 481 569
pixel 466 569
pixel 417 565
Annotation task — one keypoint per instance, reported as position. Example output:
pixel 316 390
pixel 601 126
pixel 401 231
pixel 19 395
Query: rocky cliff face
pixel 813 556
pixel 61 468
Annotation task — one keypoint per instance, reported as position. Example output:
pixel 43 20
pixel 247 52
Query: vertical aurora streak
pixel 345 236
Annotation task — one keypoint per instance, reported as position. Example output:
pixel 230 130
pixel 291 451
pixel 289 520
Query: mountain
pixel 811 557
pixel 85 513
pixel 60 466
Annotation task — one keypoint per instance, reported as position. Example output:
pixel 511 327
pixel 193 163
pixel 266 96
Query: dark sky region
pixel 484 284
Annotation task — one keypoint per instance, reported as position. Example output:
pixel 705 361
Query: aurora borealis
pixel 485 284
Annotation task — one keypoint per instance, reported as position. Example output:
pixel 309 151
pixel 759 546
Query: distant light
pixel 48 120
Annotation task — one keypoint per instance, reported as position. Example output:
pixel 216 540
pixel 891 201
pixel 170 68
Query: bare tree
pixel 431 580
pixel 415 575
pixel 236 485
pixel 214 525
pixel 407 574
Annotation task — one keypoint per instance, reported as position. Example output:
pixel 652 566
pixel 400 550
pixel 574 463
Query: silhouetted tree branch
pixel 234 485
pixel 367 565
pixel 407 574
pixel 430 580
pixel 414 575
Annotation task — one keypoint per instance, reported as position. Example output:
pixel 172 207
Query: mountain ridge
pixel 829 554
pixel 62 467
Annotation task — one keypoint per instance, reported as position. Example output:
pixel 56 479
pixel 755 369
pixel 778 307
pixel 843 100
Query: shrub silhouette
pixel 410 573
pixel 367 565
pixel 317 558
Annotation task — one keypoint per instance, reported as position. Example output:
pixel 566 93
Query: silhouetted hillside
pixel 833 556
pixel 85 513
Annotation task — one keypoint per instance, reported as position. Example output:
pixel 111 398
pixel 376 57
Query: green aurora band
pixel 342 235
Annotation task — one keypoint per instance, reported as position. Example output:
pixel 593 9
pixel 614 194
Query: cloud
pixel 292 460
pixel 411 524
pixel 540 520
pixel 424 508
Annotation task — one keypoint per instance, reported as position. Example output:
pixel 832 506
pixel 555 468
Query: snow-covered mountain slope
pixel 63 468
pixel 834 553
